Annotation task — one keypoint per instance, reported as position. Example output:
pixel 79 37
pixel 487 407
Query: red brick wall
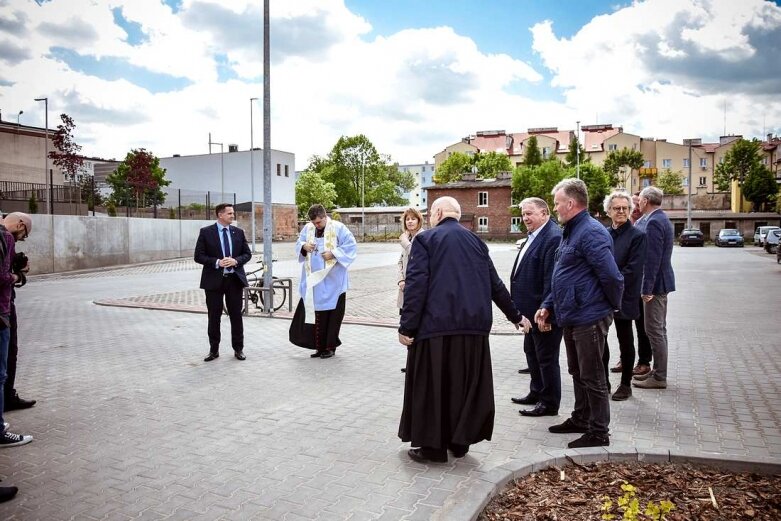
pixel 497 211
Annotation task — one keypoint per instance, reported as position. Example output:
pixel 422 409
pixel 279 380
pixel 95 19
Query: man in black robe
pixel 445 322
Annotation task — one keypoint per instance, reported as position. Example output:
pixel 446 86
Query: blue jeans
pixel 5 337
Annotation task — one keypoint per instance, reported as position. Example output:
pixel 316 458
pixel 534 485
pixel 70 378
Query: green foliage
pixel 571 159
pixel 171 213
pixel 760 188
pixel 532 155
pixel 111 208
pixel 598 184
pixel 32 203
pixel 90 193
pixel 671 183
pixel 196 207
pixel 617 159
pixel 453 168
pixel 137 180
pixel 629 505
pixel 490 164
pixel 740 161
pixel 354 167
pixel 312 189
pixel 537 181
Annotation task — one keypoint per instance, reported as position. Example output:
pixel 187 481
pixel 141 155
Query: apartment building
pixel 424 173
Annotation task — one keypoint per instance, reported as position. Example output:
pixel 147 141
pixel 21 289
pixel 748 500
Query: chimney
pixel 468 177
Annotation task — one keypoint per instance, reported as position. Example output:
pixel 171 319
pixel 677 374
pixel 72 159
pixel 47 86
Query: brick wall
pixel 497 211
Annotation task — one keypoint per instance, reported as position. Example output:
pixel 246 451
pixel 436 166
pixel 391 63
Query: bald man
pixel 445 322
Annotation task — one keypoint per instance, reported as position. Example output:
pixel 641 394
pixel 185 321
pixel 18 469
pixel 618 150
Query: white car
pixel 761 234
pixel 771 240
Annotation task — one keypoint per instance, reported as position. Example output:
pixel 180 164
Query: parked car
pixel 778 255
pixel 761 232
pixel 771 240
pixel 729 237
pixel 691 237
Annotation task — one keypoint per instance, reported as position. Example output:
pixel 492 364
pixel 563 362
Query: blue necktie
pixel 226 248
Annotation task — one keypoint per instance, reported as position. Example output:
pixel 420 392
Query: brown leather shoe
pixel 617 369
pixel 641 369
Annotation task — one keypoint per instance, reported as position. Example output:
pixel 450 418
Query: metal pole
pixel 252 172
pixel 689 197
pixel 577 152
pixel 267 208
pixel 363 204
pixel 222 173
pixel 46 154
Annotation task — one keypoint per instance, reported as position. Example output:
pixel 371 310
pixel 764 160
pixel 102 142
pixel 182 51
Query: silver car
pixel 761 233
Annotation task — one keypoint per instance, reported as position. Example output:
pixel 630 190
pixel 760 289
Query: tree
pixel 572 158
pixel 311 189
pixel 90 194
pixel 761 189
pixel 617 159
pixel 739 162
pixel 537 181
pixel 490 164
pixel 453 168
pixel 66 152
pixel 532 155
pixel 671 183
pixel 355 168
pixel 138 180
pixel 32 203
pixel 598 184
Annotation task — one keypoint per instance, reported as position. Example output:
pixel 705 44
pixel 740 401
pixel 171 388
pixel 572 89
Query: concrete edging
pixel 470 504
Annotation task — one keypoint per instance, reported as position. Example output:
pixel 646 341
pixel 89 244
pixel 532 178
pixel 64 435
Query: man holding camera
pixel 15 227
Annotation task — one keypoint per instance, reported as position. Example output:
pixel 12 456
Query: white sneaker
pixel 9 439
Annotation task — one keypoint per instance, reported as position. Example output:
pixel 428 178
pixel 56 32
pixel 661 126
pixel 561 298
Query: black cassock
pixel 448 392
pixel 324 333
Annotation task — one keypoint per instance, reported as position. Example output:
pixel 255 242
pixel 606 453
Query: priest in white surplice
pixel 325 249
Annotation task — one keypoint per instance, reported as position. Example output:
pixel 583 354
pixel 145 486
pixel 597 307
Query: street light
pixel 17 117
pixel 363 190
pixel 252 172
pixel 222 167
pixel 46 157
pixel 577 152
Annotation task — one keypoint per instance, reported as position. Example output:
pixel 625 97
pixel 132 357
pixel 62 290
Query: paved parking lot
pixel 131 423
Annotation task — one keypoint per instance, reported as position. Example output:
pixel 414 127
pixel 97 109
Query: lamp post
pixel 577 152
pixel 689 195
pixel 363 190
pixel 222 167
pixel 252 171
pixel 17 117
pixel 46 156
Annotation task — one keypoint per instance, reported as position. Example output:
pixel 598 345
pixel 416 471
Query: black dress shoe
pixel 426 455
pixel 326 354
pixel 240 355
pixel 540 410
pixel 316 354
pixel 15 403
pixel 524 371
pixel 211 357
pixel 7 493
pixel 529 399
pixel 589 440
pixel 459 451
pixel 568 427
pixel 403 369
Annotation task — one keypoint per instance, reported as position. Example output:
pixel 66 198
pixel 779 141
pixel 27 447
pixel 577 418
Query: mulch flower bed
pixel 579 492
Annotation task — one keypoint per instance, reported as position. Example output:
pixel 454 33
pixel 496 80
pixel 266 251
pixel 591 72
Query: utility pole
pixel 252 171
pixel 46 171
pixel 689 196
pixel 267 208
pixel 577 152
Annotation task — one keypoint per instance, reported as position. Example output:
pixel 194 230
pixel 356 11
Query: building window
pixel 646 181
pixel 686 163
pixel 423 169
pixel 515 225
pixel 482 225
pixel 356 219
pixel 685 181
pixel 287 171
pixel 703 162
pixel 545 152
pixel 279 169
pixel 647 164
pixel 667 163
pixel 482 198
pixel 612 147
pixel 423 180
pixel 703 180
pixel 397 219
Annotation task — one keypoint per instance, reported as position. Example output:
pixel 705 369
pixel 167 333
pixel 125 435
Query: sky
pixel 413 76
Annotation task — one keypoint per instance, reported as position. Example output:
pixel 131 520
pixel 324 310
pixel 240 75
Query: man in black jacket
pixel 223 251
pixel 530 284
pixel 445 322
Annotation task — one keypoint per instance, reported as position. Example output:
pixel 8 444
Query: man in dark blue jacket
pixel 445 322
pixel 530 284
pixel 586 289
pixel 658 281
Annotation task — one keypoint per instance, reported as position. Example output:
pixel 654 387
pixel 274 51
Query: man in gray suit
pixel 658 282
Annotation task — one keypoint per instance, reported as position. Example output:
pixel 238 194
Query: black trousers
pixel 542 357
pixel 232 293
pixel 626 346
pixel 13 351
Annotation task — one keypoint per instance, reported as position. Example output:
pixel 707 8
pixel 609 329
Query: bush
pixel 32 204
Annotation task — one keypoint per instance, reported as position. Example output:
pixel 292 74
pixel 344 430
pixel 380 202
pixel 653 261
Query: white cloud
pixel 644 66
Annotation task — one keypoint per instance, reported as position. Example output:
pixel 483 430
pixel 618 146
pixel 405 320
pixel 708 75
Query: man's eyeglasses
pixel 26 233
pixel 621 209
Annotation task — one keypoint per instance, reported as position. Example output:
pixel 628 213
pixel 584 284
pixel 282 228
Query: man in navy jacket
pixel 658 281
pixel 586 289
pixel 530 284
pixel 223 251
pixel 445 322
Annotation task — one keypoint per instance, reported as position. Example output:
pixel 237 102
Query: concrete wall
pixel 67 243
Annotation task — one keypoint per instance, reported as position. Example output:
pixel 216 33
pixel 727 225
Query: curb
pixel 468 505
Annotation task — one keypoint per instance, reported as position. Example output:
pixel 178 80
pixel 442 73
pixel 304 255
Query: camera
pixel 18 265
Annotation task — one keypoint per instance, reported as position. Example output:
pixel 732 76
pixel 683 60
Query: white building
pixel 423 177
pixel 230 172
